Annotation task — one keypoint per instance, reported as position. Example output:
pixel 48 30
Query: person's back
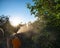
pixel 16 43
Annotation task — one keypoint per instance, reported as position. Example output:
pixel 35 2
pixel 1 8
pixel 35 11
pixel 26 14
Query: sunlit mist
pixel 15 21
pixel 25 28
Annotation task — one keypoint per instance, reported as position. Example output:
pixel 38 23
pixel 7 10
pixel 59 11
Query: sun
pixel 15 21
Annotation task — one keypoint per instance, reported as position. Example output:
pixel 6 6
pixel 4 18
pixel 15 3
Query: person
pixel 16 43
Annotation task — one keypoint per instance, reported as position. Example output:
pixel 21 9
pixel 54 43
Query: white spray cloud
pixel 25 28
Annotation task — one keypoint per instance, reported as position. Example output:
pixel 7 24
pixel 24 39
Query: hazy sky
pixel 17 10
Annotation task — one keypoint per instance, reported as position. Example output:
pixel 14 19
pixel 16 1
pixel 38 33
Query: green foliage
pixel 48 13
pixel 6 26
